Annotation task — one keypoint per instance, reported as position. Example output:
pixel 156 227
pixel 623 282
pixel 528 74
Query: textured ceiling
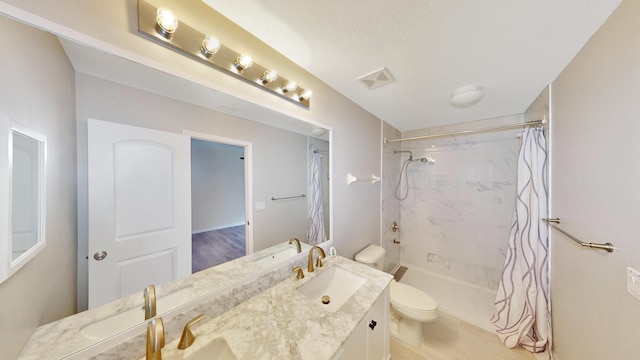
pixel 513 49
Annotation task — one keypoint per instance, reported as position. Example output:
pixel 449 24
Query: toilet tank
pixel 372 255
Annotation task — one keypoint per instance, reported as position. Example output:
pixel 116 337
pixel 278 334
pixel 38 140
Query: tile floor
pixel 452 339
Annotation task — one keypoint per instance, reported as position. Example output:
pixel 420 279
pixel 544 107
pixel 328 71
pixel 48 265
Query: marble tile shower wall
pixel 457 215
pixel 390 205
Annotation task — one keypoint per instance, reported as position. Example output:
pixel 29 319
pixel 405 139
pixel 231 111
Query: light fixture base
pixel 188 41
pixel 466 96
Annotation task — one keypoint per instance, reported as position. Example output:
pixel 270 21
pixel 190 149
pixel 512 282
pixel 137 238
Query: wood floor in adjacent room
pixel 452 339
pixel 215 247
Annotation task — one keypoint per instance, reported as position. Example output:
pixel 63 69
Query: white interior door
pixel 139 193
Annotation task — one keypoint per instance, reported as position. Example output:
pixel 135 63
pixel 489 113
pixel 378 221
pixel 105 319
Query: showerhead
pixel 428 160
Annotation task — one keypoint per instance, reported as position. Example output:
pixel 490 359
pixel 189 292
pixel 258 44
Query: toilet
pixel 410 307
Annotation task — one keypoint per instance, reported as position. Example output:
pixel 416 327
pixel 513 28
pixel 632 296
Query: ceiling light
pixel 289 86
pixel 306 95
pixel 466 96
pixel 268 77
pixel 243 62
pixel 166 22
pixel 210 46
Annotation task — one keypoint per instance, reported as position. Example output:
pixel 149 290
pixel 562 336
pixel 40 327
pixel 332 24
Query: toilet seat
pixel 408 298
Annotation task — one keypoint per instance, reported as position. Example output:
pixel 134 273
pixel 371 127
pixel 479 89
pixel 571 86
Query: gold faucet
pixel 187 337
pixel 155 339
pixel 319 261
pixel 149 302
pixel 297 242
pixel 299 273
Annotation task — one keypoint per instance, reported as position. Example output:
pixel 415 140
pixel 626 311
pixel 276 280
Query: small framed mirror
pixel 22 181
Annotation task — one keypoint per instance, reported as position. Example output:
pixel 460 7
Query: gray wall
pixel 217 186
pixel 39 92
pixel 595 177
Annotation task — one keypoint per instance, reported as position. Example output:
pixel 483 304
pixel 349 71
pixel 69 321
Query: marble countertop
pixel 58 339
pixel 281 323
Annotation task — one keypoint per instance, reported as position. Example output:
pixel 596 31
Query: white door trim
pixel 248 178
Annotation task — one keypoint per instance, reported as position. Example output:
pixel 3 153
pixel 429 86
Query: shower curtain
pixel 315 228
pixel 522 314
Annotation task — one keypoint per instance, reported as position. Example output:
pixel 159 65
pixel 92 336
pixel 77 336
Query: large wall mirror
pixel 118 91
pixel 23 216
pixel 249 164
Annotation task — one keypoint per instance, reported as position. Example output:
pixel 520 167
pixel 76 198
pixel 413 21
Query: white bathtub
pixel 468 302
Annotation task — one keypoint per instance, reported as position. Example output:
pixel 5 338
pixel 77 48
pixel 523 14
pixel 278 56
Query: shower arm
pixel 427 159
pixel 404 151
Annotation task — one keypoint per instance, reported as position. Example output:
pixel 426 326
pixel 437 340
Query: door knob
pixel 100 255
pixel 373 324
pixel 394 227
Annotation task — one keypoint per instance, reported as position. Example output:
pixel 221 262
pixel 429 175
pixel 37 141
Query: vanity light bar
pixel 207 49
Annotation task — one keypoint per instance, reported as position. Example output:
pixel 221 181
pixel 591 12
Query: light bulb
pixel 166 22
pixel 289 86
pixel 243 62
pixel 210 46
pixel 268 77
pixel 306 95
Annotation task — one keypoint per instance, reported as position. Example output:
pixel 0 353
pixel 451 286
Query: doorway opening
pixel 219 198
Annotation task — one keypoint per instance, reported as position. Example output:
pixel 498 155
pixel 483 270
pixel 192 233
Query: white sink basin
pixel 276 258
pixel 217 349
pixel 339 284
pixel 123 320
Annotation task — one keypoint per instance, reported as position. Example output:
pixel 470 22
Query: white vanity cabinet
pixel 370 338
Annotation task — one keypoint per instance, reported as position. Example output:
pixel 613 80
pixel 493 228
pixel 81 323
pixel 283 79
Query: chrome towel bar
pixel 608 247
pixel 288 197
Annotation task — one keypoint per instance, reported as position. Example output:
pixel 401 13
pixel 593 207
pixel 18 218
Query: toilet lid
pixel 410 297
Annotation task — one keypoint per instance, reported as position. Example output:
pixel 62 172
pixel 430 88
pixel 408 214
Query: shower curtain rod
pixel 472 131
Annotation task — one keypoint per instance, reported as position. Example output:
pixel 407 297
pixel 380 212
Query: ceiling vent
pixel 376 78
